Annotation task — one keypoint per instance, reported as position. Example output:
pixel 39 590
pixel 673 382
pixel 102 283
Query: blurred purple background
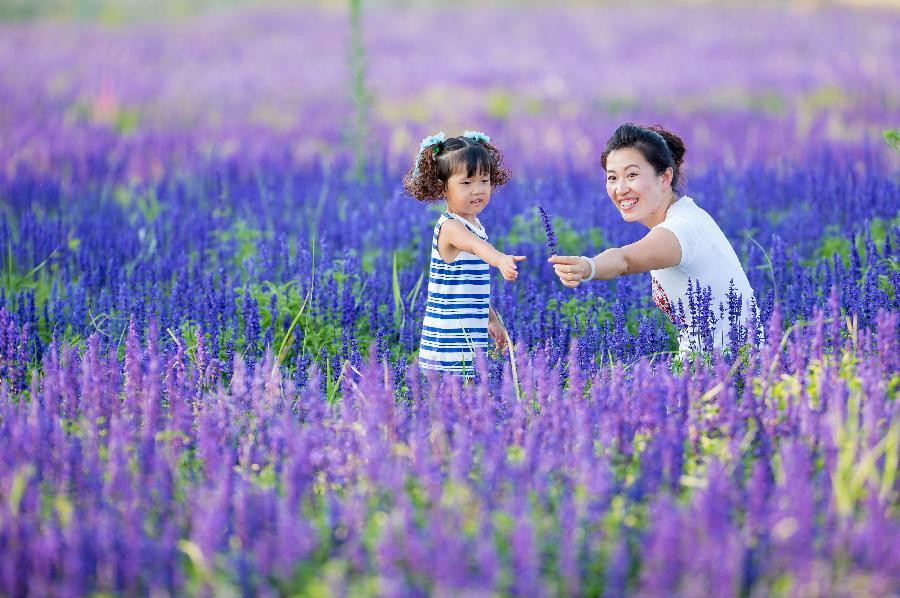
pixel 549 82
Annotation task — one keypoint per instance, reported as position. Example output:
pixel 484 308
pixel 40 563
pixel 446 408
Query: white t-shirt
pixel 707 258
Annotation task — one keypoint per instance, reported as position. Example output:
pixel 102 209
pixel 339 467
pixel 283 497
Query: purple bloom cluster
pixel 127 474
pixel 207 329
pixel 548 230
pixel 243 270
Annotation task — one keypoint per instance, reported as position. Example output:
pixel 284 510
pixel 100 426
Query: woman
pixel 689 259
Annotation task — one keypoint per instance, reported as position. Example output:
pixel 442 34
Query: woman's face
pixel 635 189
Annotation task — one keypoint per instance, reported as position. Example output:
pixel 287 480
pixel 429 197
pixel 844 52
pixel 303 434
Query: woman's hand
pixel 571 269
pixel 507 266
pixel 497 331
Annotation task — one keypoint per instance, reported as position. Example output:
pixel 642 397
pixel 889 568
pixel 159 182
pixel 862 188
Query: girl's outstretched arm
pixel 455 237
pixel 658 249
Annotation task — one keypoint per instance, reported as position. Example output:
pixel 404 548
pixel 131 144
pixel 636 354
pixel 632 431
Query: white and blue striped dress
pixel 456 314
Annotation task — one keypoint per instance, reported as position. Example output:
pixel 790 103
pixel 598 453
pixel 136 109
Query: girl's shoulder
pixel 477 230
pixel 444 217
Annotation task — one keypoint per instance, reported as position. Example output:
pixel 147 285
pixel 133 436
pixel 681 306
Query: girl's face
pixel 635 189
pixel 468 195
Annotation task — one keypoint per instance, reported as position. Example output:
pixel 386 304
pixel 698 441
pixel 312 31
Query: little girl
pixel 458 315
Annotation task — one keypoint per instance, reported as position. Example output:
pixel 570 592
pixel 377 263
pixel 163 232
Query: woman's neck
pixel 656 218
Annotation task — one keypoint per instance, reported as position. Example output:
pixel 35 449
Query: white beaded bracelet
pixel 593 268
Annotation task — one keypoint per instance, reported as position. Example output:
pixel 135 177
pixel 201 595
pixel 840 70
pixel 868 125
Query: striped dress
pixel 456 314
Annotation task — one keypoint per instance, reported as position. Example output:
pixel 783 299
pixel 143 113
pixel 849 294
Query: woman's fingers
pixel 564 260
pixel 568 270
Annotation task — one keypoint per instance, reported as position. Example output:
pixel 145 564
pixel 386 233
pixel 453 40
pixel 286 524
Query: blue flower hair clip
pixel 477 136
pixel 431 140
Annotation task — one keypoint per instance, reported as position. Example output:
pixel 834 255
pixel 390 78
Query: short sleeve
pixel 688 237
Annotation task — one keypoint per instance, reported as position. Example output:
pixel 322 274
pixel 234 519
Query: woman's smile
pixel 627 204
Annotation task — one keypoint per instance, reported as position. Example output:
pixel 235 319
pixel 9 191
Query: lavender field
pixel 212 296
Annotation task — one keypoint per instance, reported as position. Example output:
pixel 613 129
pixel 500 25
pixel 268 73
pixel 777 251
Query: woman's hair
pixel 661 148
pixel 435 164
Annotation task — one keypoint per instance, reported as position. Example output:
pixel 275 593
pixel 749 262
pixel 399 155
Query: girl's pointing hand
pixel 507 266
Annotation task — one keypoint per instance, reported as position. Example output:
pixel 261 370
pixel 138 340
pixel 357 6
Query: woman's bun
pixel 676 145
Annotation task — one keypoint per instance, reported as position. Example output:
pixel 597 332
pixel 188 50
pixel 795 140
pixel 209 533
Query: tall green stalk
pixel 359 94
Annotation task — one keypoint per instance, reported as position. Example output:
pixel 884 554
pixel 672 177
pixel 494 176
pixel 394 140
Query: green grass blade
pixel 288 340
pixel 398 298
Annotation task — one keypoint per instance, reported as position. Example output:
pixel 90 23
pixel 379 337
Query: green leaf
pixel 892 138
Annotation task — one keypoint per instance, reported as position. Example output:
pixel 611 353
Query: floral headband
pixel 431 140
pixel 477 136
pixel 434 142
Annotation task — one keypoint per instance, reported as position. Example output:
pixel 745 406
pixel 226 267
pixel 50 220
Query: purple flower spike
pixel 548 228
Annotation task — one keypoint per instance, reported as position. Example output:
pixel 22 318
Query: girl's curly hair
pixel 427 178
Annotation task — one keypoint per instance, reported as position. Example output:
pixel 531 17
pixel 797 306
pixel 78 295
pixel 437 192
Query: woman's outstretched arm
pixel 658 249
